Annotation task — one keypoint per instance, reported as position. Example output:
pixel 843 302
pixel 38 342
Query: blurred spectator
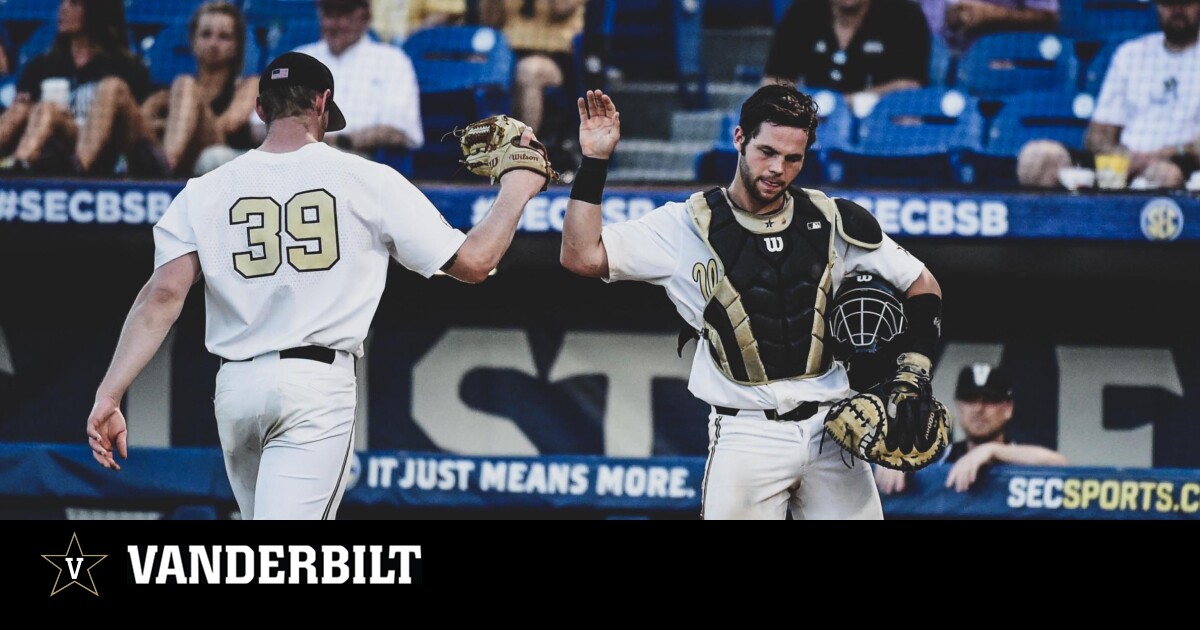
pixel 1148 110
pixel 541 34
pixel 77 106
pixel 376 82
pixel 984 400
pixel 394 20
pixel 389 19
pixel 851 46
pixel 959 22
pixel 210 109
pixel 430 13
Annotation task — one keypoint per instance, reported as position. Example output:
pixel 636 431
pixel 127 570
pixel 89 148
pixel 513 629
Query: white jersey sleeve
pixel 413 230
pixel 889 261
pixel 173 234
pixel 647 249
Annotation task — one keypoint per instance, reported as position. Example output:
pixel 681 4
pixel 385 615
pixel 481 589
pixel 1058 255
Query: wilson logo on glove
pixel 492 147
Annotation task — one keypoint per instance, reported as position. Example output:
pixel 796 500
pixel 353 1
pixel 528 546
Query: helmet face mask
pixel 866 323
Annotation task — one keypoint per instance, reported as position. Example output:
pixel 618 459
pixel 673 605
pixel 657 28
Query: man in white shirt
pixel 1148 109
pixel 376 80
pixel 751 269
pixel 292 240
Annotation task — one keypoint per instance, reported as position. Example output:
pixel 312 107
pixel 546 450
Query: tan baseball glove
pixel 897 424
pixel 491 147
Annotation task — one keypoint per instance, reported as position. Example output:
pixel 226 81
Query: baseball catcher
pixel 492 147
pixel 896 423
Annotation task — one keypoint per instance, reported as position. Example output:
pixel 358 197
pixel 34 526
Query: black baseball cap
pixel 293 68
pixel 984 379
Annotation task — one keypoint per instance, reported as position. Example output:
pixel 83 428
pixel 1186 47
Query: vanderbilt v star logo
pixel 774 243
pixel 76 564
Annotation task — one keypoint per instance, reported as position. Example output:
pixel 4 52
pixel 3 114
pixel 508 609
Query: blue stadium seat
pixel 942 61
pixel 643 50
pixel 29 11
pixel 1005 63
pixel 1095 20
pixel 1054 115
pixel 1092 78
pixel 282 25
pixel 910 138
pixel 38 43
pixel 779 7
pixel 169 54
pixel 282 37
pixel 464 73
pixel 835 130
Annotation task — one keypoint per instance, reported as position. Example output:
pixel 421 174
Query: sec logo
pixel 1162 220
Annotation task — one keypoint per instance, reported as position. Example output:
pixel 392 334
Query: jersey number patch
pixel 310 218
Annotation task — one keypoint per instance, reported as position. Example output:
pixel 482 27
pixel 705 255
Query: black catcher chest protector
pixel 765 320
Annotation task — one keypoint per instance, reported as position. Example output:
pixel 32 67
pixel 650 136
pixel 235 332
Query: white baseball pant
pixel 759 469
pixel 287 434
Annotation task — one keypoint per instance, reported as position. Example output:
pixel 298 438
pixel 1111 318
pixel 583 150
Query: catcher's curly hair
pixel 779 104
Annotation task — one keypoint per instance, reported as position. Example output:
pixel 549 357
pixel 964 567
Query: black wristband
pixel 589 181
pixel 924 314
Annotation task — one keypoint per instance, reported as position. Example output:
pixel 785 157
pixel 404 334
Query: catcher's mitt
pixel 897 424
pixel 491 147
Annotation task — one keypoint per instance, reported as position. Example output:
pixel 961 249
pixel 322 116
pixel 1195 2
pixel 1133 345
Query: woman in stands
pixel 77 106
pixel 210 112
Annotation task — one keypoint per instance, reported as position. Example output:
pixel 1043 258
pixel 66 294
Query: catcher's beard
pixel 747 179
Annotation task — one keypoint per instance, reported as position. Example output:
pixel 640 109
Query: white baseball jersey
pixel 1151 93
pixel 665 248
pixel 294 246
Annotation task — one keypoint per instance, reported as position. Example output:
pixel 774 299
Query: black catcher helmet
pixel 867 321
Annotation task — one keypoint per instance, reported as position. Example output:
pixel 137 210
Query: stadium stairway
pixel 661 139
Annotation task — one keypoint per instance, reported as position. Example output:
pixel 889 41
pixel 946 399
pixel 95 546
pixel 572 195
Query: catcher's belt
pixel 803 412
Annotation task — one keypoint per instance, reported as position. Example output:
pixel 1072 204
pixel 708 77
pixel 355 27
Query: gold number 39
pixel 308 216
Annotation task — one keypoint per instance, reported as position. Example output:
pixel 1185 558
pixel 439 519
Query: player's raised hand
pixel 106 427
pixel 599 125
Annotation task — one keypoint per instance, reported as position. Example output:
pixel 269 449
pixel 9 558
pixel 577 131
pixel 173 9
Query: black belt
pixel 312 353
pixel 803 412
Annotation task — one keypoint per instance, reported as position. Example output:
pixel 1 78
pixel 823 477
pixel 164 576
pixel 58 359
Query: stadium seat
pixel 779 7
pixel 1092 78
pixel 1095 20
pixel 282 25
pixel 1054 115
pixel 29 11
pixel 642 51
pixel 910 138
pixel 39 42
pixel 146 19
pixel 464 74
pixel 169 54
pixel 1005 63
pixel 941 64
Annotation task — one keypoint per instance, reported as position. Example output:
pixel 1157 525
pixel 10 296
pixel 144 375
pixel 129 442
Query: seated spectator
pixel 984 403
pixel 541 34
pixel 210 109
pixel 431 13
pixel 959 22
pixel 1148 109
pixel 77 106
pixel 376 82
pixel 851 46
